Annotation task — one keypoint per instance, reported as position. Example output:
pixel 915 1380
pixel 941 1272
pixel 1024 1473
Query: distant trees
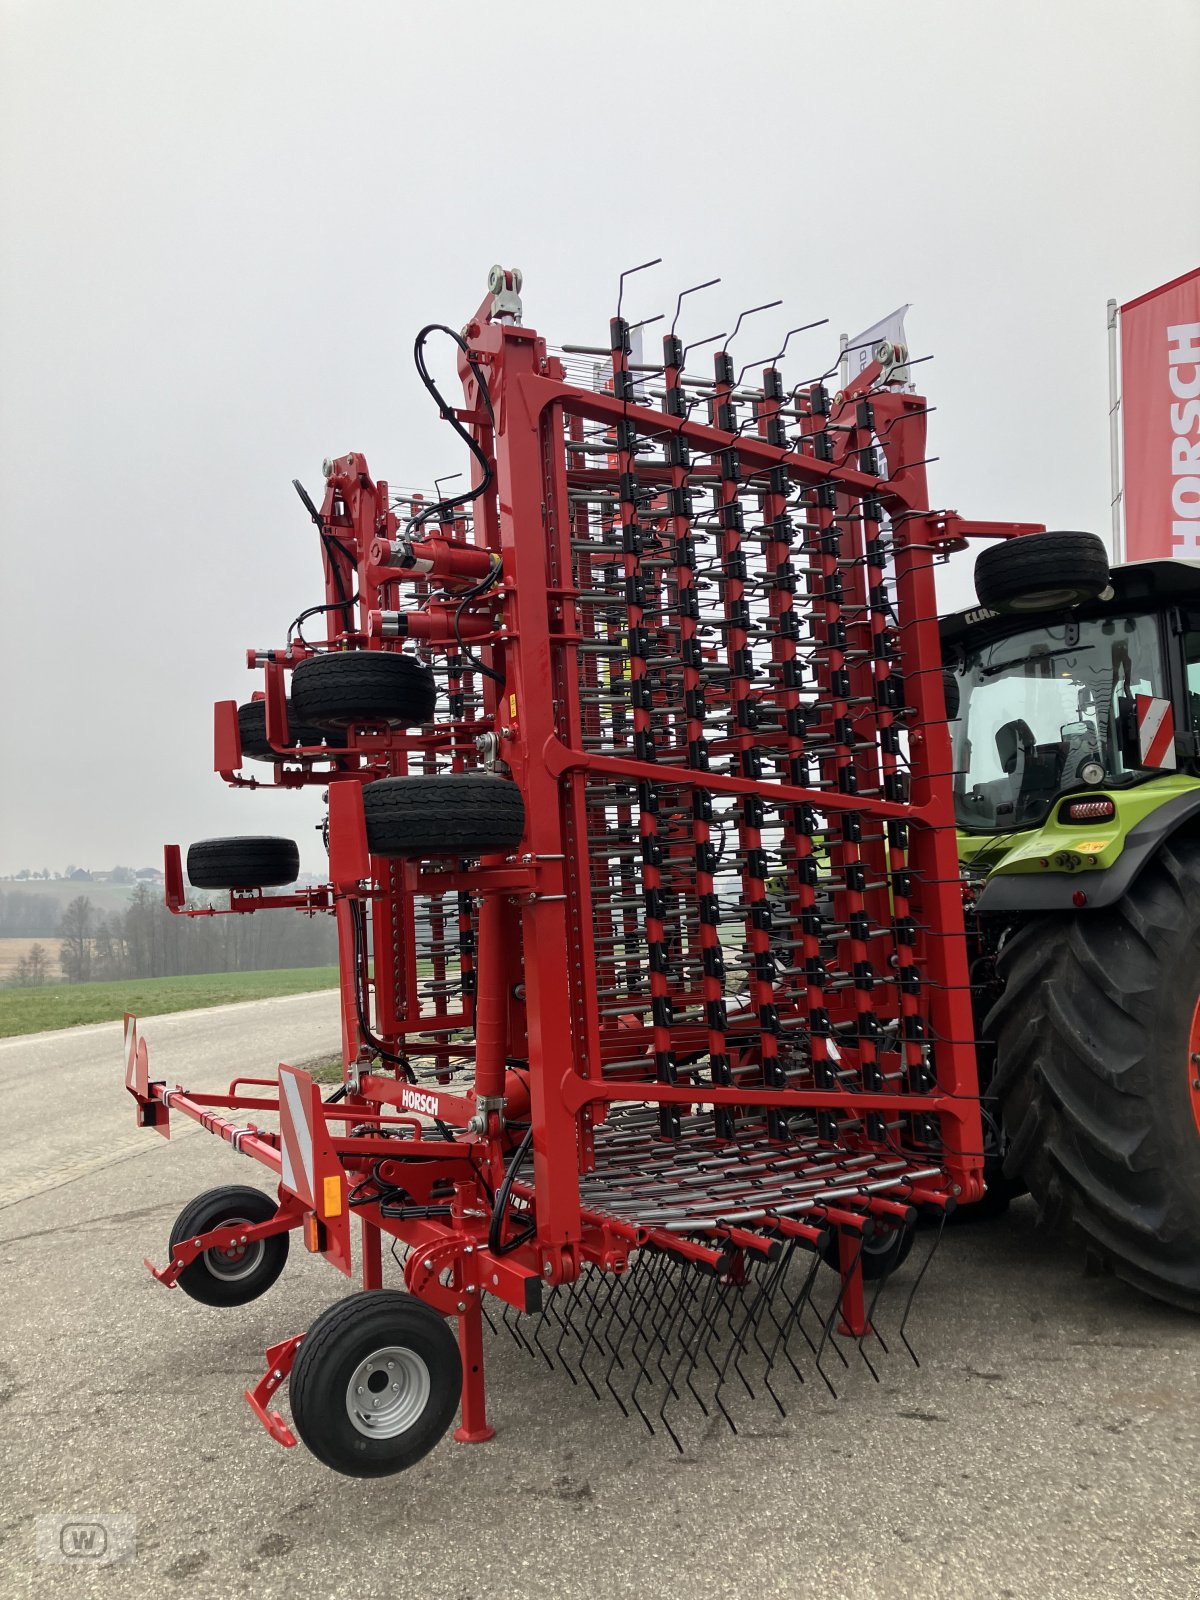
pixel 75 930
pixel 32 969
pixel 25 915
pixel 147 941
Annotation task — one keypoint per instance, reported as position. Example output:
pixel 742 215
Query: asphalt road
pixel 1049 1444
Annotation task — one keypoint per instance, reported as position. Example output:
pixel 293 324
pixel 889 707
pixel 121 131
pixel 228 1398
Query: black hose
pixel 496 1226
pixel 440 507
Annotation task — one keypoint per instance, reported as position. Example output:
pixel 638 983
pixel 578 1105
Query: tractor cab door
pixel 1182 635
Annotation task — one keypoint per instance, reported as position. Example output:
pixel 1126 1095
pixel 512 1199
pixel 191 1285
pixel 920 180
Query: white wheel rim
pixel 388 1392
pixel 239 1260
pixel 1045 600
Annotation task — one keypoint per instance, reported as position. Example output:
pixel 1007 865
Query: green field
pixel 67 1005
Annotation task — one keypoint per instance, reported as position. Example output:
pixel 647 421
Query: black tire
pixel 252 726
pixel 367 686
pixel 1041 572
pixel 1093 1075
pixel 467 814
pixel 243 863
pixel 423 1396
pixel 230 1279
pixel 951 694
pixel 882 1252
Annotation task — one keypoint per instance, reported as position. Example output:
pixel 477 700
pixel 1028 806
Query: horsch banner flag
pixel 1160 420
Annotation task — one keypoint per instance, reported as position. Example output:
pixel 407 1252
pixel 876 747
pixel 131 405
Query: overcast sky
pixel 222 224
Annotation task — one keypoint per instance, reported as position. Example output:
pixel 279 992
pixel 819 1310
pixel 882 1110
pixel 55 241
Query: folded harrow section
pixel 653 979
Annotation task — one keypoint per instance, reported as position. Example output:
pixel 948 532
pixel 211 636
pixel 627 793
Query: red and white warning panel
pixel 1156 731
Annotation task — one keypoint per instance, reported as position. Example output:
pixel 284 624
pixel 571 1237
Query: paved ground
pixel 1048 1446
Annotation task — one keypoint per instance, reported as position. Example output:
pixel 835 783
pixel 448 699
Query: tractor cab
pixel 1103 696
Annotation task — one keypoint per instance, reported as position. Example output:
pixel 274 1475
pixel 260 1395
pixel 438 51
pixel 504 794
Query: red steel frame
pixel 623 623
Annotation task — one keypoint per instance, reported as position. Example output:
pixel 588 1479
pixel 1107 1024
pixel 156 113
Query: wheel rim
pixel 387 1392
pixel 1045 600
pixel 881 1243
pixel 236 1261
pixel 1193 1065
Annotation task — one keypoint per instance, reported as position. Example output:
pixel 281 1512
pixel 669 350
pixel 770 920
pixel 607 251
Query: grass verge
pixel 68 1005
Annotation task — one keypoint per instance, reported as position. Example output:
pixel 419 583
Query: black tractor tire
pixel 237 1276
pixel 1095 1066
pixel 243 863
pixel 882 1251
pixel 465 814
pixel 1041 572
pixel 363 686
pixel 252 727
pixel 396 1413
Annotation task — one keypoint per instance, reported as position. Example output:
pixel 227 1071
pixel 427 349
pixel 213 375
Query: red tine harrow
pixel 655 1014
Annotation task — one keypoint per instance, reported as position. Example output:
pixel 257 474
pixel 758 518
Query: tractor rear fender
pixel 1056 891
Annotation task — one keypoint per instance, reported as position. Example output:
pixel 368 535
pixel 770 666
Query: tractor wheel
pixel 252 726
pixel 467 814
pixel 242 863
pixel 1041 572
pixel 1098 1074
pixel 371 686
pixel 376 1383
pixel 240 1274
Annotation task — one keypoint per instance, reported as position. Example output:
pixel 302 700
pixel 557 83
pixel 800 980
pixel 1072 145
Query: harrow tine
pixel 621 1292
pixel 912 1293
pixel 592 1292
pixel 541 1323
pixel 795 1318
pixel 687 1353
pixel 827 1334
pixel 567 1322
pixel 653 1298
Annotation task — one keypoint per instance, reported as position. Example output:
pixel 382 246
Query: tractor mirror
pixel 1128 739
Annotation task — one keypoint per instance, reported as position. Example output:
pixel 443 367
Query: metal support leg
pixel 474 1427
pixel 854 1310
pixel 372 1256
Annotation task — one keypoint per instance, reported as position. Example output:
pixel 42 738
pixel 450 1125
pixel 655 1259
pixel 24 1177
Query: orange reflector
pixel 332 1188
pixel 1087 810
pixel 314 1233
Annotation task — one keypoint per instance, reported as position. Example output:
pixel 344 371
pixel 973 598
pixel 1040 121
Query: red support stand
pixel 474 1427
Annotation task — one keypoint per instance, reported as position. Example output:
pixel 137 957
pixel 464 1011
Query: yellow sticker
pixel 333 1196
pixel 512 706
pixel 1093 846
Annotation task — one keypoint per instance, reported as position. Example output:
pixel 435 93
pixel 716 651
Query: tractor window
pixel 1050 709
pixel 1191 647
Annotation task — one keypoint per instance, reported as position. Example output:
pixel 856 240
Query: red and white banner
pixel 1160 417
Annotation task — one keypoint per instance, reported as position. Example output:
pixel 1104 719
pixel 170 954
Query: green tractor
pixel 1073 693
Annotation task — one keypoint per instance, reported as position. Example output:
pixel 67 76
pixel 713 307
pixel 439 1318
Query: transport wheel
pixel 1041 572
pixel 376 1383
pixel 465 814
pixel 1097 1035
pixel 885 1250
pixel 252 725
pixel 243 863
pixel 334 690
pixel 235 1276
